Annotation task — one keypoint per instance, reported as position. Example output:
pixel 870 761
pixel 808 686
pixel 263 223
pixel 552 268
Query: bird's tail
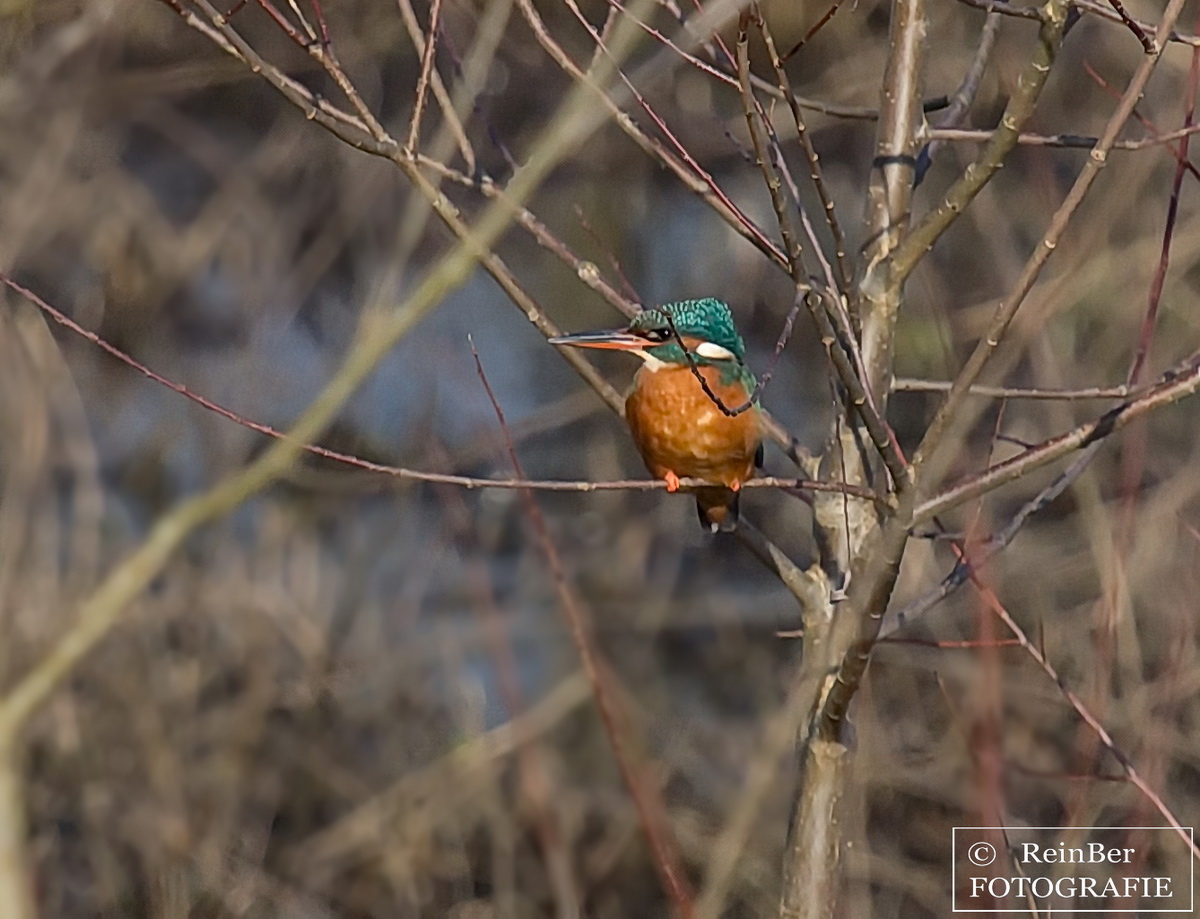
pixel 718 508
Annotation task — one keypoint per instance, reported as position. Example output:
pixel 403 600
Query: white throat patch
pixel 653 364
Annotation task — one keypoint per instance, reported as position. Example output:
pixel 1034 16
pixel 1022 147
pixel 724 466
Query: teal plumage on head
pixel 708 320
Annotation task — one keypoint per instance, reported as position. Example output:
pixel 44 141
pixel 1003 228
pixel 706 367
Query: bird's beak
pixel 614 339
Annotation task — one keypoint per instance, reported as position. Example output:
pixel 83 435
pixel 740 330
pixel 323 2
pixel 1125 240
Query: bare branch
pixel 972 561
pixel 1180 382
pixel 1149 28
pixel 427 54
pixel 1092 722
pixel 697 182
pixel 877 428
pixel 791 245
pixel 1069 141
pixel 1018 111
pixel 907 384
pixel 956 113
pixel 1058 224
pixel 889 195
pixel 1132 25
pixel 417 475
pixel 843 281
pixel 574 121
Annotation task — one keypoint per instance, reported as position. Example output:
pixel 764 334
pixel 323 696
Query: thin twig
pixel 1160 36
pixel 1069 141
pixel 1178 383
pixel 1006 9
pixel 878 429
pixel 645 797
pixel 285 26
pixel 811 33
pixel 632 296
pixel 322 25
pixel 754 120
pixel 1151 128
pixel 693 181
pixel 399 472
pixel 959 109
pixel 1094 7
pixel 1145 337
pixel 308 29
pixel 681 149
pixel 422 92
pixel 1082 710
pixel 908 384
pixel 843 282
pixel 449 109
pixel 969 563
pixel 1132 25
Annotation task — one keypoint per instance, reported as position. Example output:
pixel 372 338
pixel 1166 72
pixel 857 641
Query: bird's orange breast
pixel 679 429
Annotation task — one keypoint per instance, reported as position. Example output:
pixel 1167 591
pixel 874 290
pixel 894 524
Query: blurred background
pixel 310 713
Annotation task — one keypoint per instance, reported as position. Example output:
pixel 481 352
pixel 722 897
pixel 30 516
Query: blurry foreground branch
pixel 378 333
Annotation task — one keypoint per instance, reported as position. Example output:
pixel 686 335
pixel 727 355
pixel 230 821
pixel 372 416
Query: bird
pixel 680 429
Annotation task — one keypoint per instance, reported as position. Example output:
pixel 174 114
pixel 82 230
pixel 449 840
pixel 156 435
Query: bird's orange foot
pixel 735 486
pixel 672 481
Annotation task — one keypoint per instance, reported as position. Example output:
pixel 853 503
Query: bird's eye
pixel 656 335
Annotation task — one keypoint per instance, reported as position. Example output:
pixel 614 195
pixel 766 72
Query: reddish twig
pixel 322 25
pixel 285 26
pixel 811 33
pixel 1160 274
pixel 970 562
pixel 533 767
pixel 616 6
pixel 645 798
pixel 762 134
pixel 399 471
pixel 681 150
pixel 1177 150
pixel 946 644
pixel 1082 710
pixel 844 277
pixel 1133 449
pixel 1098 8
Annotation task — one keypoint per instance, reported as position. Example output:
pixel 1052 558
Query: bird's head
pixel 659 335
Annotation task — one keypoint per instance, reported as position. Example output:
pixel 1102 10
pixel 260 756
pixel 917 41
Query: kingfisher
pixel 680 429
